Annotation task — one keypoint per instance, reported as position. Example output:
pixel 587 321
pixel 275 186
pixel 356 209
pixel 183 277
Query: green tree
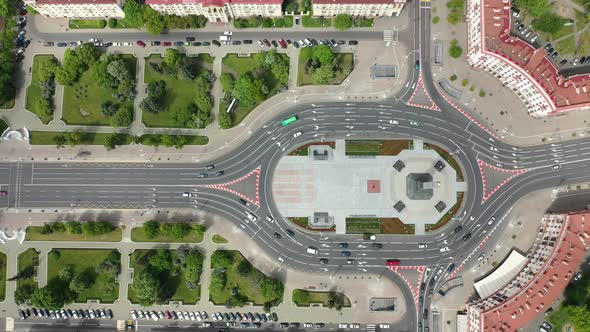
pixel 44 106
pixel 248 90
pixel 455 50
pixel 271 289
pixel 549 22
pixel 227 82
pixel 161 260
pixel 4 10
pixel 187 70
pixel 221 259
pixel 58 227
pixel 151 228
pixel 171 57
pixel 323 54
pixel 579 317
pixel 46 229
pixel 244 268
pixel 73 227
pixel 119 70
pixel 322 75
pixel 157 89
pixel 301 297
pixel 80 283
pixel 194 266
pixel 536 8
pixel 47 70
pixel 217 282
pixel 110 142
pixel 342 22
pixel 50 297
pixel 113 23
pixel 133 12
pixel 88 54
pixel 181 230
pixel 224 120
pixel 335 300
pixel 154 21
pixel 123 118
pixel 23 293
pixel 151 104
pixel 145 286
pixel 66 273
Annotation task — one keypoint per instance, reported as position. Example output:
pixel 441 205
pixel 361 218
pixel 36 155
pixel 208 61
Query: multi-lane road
pixel 160 185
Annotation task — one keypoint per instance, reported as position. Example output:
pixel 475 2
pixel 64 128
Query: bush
pixel 342 22
pixel 151 228
pixel 455 50
pixel 435 20
pixel 113 23
pixel 73 227
pixel 453 77
pixel 102 24
pixel 464 82
pixel 482 93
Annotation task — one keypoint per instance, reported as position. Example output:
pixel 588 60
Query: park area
pixel 176 272
pixel 319 65
pixel 169 232
pixel 97 268
pixel 305 298
pixel 84 98
pixel 235 282
pixel 180 91
pixel 35 91
pixel 75 231
pixel 376 147
pixel 252 80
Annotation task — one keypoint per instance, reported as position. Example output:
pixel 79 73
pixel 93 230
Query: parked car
pixel 205 43
pixel 178 43
pixel 274 43
pixel 236 42
pixel 48 44
pixel 190 39
pixel 247 41
pixel 283 43
pixel 216 42
pixel 196 43
pixel 140 43
pixel 166 44
pixel 155 43
pixel 353 42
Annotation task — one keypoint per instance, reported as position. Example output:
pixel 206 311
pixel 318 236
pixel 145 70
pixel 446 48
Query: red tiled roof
pixel 74 2
pixel 216 3
pixel 564 92
pixel 328 2
pixel 543 289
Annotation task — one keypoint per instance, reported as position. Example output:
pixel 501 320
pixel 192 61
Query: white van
pixel 312 250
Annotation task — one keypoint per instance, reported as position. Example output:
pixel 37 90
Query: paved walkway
pixel 358 288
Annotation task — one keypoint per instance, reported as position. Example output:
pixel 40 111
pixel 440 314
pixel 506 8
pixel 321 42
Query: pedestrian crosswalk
pixel 388 35
pixel 370 327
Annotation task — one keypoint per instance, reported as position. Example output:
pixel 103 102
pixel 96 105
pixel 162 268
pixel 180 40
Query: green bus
pixel 289 120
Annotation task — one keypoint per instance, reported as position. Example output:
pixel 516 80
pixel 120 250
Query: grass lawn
pixel 196 236
pixel 344 60
pixel 447 217
pixel 34 234
pixel 218 239
pixel 190 139
pixel 309 21
pixel 362 225
pixel 179 93
pixel 362 22
pixel 123 24
pixel 48 138
pixel 315 297
pixel 304 149
pixel 566 46
pixel 2 276
pixel 173 283
pixel 564 31
pixel 248 285
pixel 448 158
pixel 28 260
pixel 34 90
pixel 85 110
pixel 584 42
pixel 363 148
pixel 581 20
pixel 238 66
pixel 84 261
pixel 87 24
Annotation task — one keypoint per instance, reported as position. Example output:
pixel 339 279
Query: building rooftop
pixel 345 2
pixel 209 3
pixel 564 93
pixel 501 275
pixel 74 2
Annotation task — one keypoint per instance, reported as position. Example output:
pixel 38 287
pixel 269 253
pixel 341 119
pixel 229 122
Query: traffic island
pixel 366 183
pixel 332 300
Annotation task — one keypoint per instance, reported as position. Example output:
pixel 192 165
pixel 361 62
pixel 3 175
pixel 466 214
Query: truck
pixel 369 236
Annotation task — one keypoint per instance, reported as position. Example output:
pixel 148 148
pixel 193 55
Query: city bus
pixel 289 120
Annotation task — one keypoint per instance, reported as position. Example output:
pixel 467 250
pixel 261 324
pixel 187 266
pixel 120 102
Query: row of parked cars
pixel 21 42
pixel 229 317
pixel 66 313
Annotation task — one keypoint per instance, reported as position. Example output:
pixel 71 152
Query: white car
pixel 134 314
pixel 227 33
pixel 414 123
pixel 395 122
pixel 555 167
pixel 117 44
pixel 427 273
pixel 307 325
pixel 251 216
pixel 297 134
pixel 204 315
pixel 92 40
pixel 383 326
pixel 491 221
pixel 355 326
pixel 127 44
pixel 191 315
pixel 260 43
pixel 481 257
pixel 342 326
pixel 270 219
pixel 198 316
pixel 494 149
pixel 422 245
pixel 444 249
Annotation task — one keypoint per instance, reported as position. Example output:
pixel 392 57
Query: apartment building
pixel 78 8
pixel 519 66
pixel 219 10
pixel 370 8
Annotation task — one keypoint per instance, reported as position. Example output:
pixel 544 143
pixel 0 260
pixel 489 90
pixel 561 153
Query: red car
pixel 393 262
pixel 3 193
pixel 283 43
pixel 167 314
pixel 167 44
pixel 266 42
pixel 140 43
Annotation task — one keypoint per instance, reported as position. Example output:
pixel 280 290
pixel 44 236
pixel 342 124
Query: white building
pixel 78 8
pixel 219 10
pixel 370 8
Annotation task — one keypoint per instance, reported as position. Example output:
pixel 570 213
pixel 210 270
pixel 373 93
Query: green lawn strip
pixel 304 149
pixel 87 138
pixel 238 66
pixel 90 97
pixel 179 93
pixel 3 125
pixel 362 225
pixel 123 24
pixel 308 21
pixel 27 260
pixel 343 59
pixel 362 22
pixel 584 47
pixel 312 297
pixel 168 281
pixel 394 147
pixel 218 239
pixel 248 285
pixel 363 148
pixel 190 139
pixel 34 90
pixel 448 158
pixel 566 46
pixel 34 234
pixel 87 24
pixel 84 261
pixel 448 216
pixel 395 226
pixel 2 276
pixel 564 31
pixel 196 236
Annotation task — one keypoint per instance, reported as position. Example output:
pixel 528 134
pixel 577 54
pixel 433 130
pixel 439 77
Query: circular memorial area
pixel 377 186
